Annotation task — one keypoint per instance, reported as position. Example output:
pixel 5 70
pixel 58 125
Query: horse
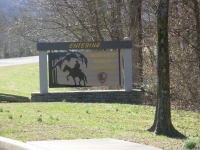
pixel 75 73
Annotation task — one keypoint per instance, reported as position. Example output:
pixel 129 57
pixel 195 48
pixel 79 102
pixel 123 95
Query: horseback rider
pixel 77 66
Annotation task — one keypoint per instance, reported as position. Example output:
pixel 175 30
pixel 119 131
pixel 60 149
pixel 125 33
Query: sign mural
pixel 84 69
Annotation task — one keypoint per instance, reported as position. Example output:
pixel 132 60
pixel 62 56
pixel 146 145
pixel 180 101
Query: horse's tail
pixel 85 78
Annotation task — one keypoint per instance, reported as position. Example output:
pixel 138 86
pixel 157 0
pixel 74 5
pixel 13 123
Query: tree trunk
pixel 136 36
pixel 197 22
pixel 162 123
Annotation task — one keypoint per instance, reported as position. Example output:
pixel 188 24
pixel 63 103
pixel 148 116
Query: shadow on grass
pixel 102 100
pixel 13 98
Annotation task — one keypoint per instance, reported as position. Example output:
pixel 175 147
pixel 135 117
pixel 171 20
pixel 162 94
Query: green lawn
pixel 21 80
pixel 63 120
pixel 50 121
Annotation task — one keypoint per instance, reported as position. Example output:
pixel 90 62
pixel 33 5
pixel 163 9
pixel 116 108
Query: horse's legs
pixel 84 82
pixel 67 77
pixel 80 80
pixel 74 80
pixel 81 77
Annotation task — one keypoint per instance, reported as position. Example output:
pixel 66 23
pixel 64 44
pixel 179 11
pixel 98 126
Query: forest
pixel 108 20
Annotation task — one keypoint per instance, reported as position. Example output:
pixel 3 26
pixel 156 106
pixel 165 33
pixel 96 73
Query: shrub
pixel 57 119
pixel 1 109
pixel 190 143
pixel 39 119
pixel 51 117
pixel 64 100
pixel 10 116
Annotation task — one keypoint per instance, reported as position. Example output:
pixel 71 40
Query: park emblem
pixel 102 76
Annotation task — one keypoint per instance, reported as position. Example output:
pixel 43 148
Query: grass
pixel 1 109
pixel 54 118
pixel 21 80
pixel 39 119
pixel 189 144
pixel 10 116
pixel 50 121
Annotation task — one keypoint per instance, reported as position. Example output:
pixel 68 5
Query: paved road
pixel 18 61
pixel 91 144
pixel 80 144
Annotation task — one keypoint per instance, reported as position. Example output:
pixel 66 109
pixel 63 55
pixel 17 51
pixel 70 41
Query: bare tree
pixel 162 123
pixel 73 20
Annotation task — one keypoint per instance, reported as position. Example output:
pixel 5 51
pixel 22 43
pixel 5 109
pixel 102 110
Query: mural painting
pixel 84 69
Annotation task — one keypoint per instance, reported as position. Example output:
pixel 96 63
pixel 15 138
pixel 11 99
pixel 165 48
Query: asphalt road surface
pixel 18 61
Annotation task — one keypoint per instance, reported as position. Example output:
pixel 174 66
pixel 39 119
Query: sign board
pixel 84 45
pixel 84 69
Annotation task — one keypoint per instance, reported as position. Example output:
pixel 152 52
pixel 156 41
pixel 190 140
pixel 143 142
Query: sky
pixel 6 4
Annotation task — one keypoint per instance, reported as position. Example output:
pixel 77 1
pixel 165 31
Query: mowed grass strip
pixel 51 121
pixel 21 80
pixel 63 120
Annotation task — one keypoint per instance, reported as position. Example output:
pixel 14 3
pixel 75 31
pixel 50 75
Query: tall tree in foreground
pixel 162 122
pixel 135 8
